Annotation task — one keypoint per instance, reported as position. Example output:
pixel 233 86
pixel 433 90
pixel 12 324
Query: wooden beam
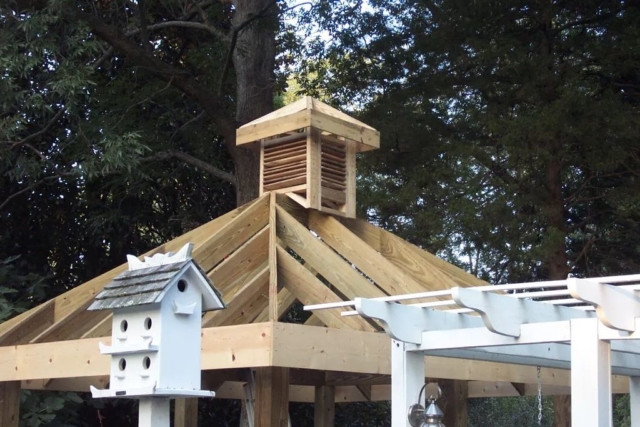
pixel 387 276
pixel 314 321
pixel 309 290
pixel 186 412
pixel 234 272
pixel 102 329
pixel 454 402
pixel 562 411
pixel 365 389
pixel 230 237
pixel 273 262
pixel 272 397
pixel 285 300
pixel 245 305
pixel 10 404
pixel 324 406
pixel 324 260
pixel 66 305
pixel 520 388
pixel 427 269
pixel 73 325
pixel 30 325
pixel 293 208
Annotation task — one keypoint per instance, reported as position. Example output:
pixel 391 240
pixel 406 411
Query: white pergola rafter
pixel 586 325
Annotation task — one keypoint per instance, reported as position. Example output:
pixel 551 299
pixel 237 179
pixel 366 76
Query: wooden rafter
pixel 308 289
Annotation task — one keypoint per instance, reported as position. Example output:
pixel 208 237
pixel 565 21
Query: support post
pixel 186 412
pixel 590 376
pixel 634 400
pixel 154 412
pixel 9 404
pixel 407 378
pixel 325 406
pixel 454 402
pixel 562 411
pixel 272 397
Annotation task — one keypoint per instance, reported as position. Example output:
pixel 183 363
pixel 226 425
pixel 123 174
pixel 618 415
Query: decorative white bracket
pixel 617 308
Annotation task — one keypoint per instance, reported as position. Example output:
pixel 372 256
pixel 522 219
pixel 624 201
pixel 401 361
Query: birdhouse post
pixel 308 149
pixel 156 332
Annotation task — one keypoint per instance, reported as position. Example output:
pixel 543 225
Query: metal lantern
pixel 430 417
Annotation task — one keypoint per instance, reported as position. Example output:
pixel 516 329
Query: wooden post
pixel 186 412
pixel 9 404
pixel 562 411
pixel 454 402
pixel 325 406
pixel 272 397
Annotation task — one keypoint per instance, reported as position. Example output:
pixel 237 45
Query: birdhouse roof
pixel 309 112
pixel 149 285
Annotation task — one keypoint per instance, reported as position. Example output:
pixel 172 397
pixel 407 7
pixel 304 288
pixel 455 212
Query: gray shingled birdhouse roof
pixel 149 285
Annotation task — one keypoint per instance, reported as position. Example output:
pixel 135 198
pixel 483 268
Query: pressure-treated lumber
pixel 386 275
pixel 562 410
pixel 285 300
pixel 245 305
pixel 240 266
pixel 429 270
pixel 341 275
pixel 273 262
pixel 186 412
pixel 272 397
pixel 66 304
pixel 309 290
pixel 454 402
pixel 30 325
pixel 324 406
pixel 10 404
pixel 234 234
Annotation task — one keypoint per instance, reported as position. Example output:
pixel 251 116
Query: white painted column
pixel 154 412
pixel 634 400
pixel 590 376
pixel 407 378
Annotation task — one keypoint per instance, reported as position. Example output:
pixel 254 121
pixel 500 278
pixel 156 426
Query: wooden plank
pixel 67 304
pixel 324 406
pixel 29 326
pixel 314 148
pixel 234 271
pixel 272 397
pixel 293 208
pixel 102 329
pixel 286 161
pixel 386 275
pixel 334 195
pixel 261 172
pixel 245 305
pixel 454 402
pixel 429 270
pixel 329 264
pixel 366 137
pixel 350 204
pixel 234 234
pixel 309 290
pixel 562 411
pixel 314 320
pixel 73 325
pixel 286 183
pixel 253 132
pixel 285 300
pixel 186 412
pixel 10 404
pixel 365 389
pixel 273 262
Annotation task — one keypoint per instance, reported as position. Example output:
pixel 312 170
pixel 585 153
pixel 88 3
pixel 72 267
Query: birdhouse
pixel 308 149
pixel 156 331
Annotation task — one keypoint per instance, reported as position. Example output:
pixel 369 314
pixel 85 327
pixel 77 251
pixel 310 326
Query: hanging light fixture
pixel 430 417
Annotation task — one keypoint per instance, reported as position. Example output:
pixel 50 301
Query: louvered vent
pixel 334 174
pixel 285 164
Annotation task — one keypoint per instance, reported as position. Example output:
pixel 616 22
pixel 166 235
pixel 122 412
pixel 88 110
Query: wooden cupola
pixel 308 149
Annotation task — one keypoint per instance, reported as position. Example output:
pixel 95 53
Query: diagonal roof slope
pixel 263 258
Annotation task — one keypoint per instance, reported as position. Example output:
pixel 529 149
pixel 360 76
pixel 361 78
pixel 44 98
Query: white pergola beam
pixel 407 379
pixel 590 376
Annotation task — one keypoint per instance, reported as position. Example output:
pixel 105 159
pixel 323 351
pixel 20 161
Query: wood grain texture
pixel 454 402
pixel 429 270
pixel 324 406
pixel 102 329
pixel 239 267
pixel 309 290
pixel 10 404
pixel 245 305
pixel 562 411
pixel 273 261
pixel 385 274
pixel 285 300
pixel 272 397
pixel 66 304
pixel 186 412
pixel 324 260
pixel 36 320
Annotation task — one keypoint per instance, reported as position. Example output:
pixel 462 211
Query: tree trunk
pixel 254 63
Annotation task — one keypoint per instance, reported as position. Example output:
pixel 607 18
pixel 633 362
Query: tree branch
pixel 211 103
pixel 34 185
pixel 193 161
pixel 41 132
pixel 186 24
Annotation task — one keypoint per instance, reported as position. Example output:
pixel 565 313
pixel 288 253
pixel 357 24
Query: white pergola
pixel 589 326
